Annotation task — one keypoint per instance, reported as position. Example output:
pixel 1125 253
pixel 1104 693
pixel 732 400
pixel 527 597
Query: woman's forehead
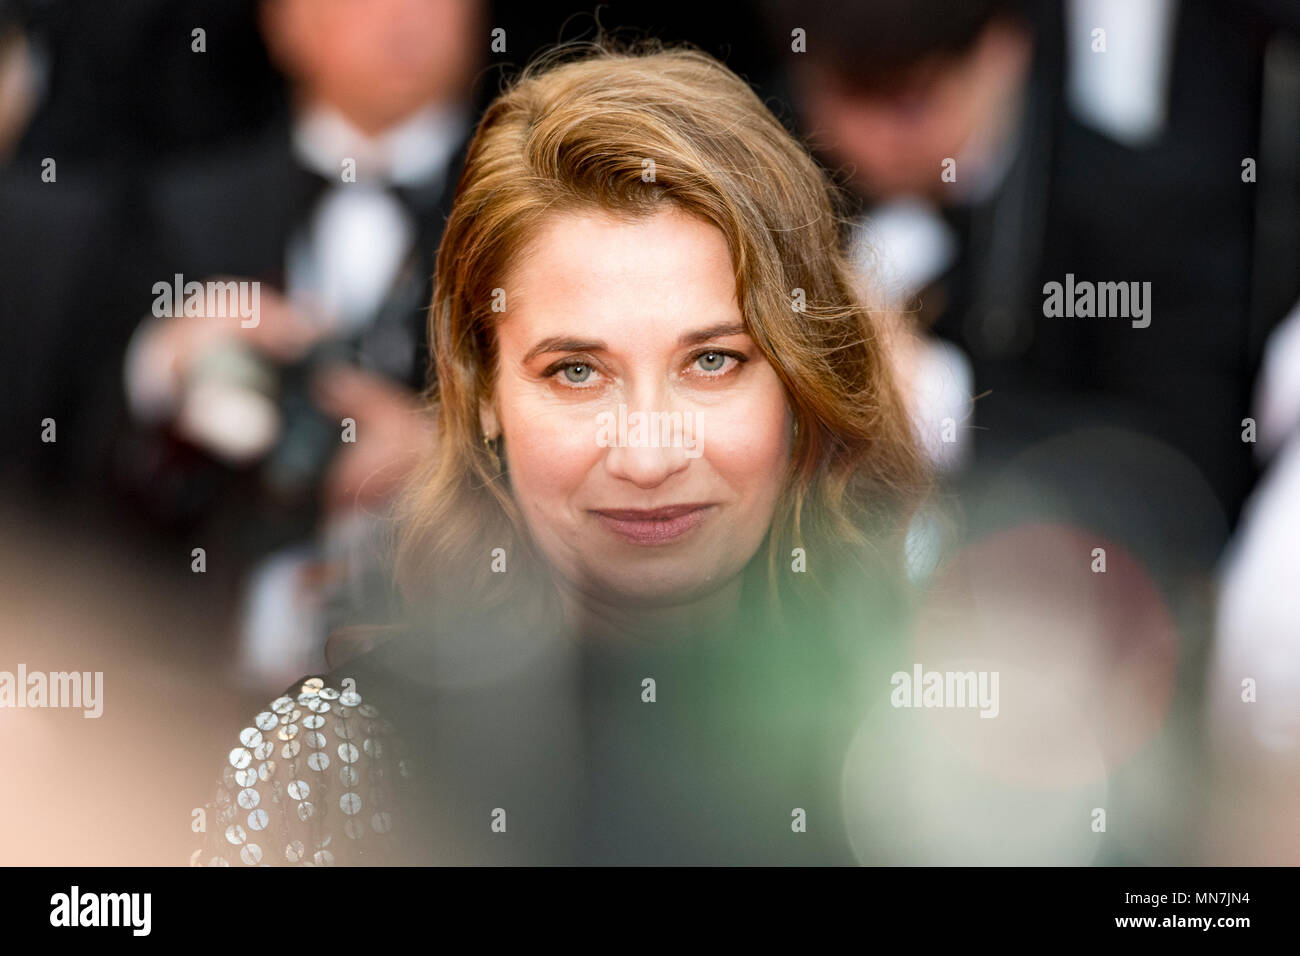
pixel 596 274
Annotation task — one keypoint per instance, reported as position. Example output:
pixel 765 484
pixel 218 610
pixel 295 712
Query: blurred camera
pixel 245 408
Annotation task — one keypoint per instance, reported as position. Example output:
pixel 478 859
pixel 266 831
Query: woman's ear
pixel 487 417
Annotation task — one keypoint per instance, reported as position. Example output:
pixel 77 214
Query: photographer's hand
pixel 393 430
pixel 164 349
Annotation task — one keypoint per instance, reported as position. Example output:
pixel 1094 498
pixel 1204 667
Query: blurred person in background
pixel 1000 146
pixel 112 93
pixel 1253 687
pixel 61 237
pixel 88 113
pixel 1254 684
pixel 997 147
pixel 242 443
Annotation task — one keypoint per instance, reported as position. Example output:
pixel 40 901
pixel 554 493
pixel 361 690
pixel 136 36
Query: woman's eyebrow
pixel 561 343
pixel 558 343
pixel 719 331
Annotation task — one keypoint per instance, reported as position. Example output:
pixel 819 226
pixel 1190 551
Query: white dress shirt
pixel 1258 625
pixel 341 265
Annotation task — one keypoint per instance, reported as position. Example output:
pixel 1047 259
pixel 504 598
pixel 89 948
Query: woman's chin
pixel 649 593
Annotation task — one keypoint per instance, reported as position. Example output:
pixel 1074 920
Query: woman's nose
pixel 647 446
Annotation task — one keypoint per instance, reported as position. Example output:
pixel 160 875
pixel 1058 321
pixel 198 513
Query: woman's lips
pixel 651 527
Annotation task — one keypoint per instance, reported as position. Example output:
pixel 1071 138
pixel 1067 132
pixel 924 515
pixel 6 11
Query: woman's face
pixel 626 385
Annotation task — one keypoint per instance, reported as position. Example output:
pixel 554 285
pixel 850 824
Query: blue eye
pixel 719 357
pixel 714 361
pixel 577 372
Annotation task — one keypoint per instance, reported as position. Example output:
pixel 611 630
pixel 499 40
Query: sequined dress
pixel 493 749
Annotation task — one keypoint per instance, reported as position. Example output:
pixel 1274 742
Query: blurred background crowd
pixel 988 147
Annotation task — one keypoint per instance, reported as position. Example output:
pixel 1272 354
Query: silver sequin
pixel 240 808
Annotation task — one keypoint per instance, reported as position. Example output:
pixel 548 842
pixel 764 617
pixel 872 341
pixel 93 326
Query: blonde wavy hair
pixel 572 132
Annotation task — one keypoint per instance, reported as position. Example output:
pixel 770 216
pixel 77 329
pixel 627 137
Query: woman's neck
pixel 714 613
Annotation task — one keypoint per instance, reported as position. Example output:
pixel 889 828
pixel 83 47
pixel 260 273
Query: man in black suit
pixel 327 223
pixel 1036 152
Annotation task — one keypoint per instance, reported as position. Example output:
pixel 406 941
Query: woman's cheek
pixel 745 439
pixel 555 451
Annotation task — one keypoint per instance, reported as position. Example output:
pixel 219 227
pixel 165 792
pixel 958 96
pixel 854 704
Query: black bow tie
pixel 960 217
pixel 418 199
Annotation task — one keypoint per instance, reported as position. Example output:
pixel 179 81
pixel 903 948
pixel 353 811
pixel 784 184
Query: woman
pixel 654 561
